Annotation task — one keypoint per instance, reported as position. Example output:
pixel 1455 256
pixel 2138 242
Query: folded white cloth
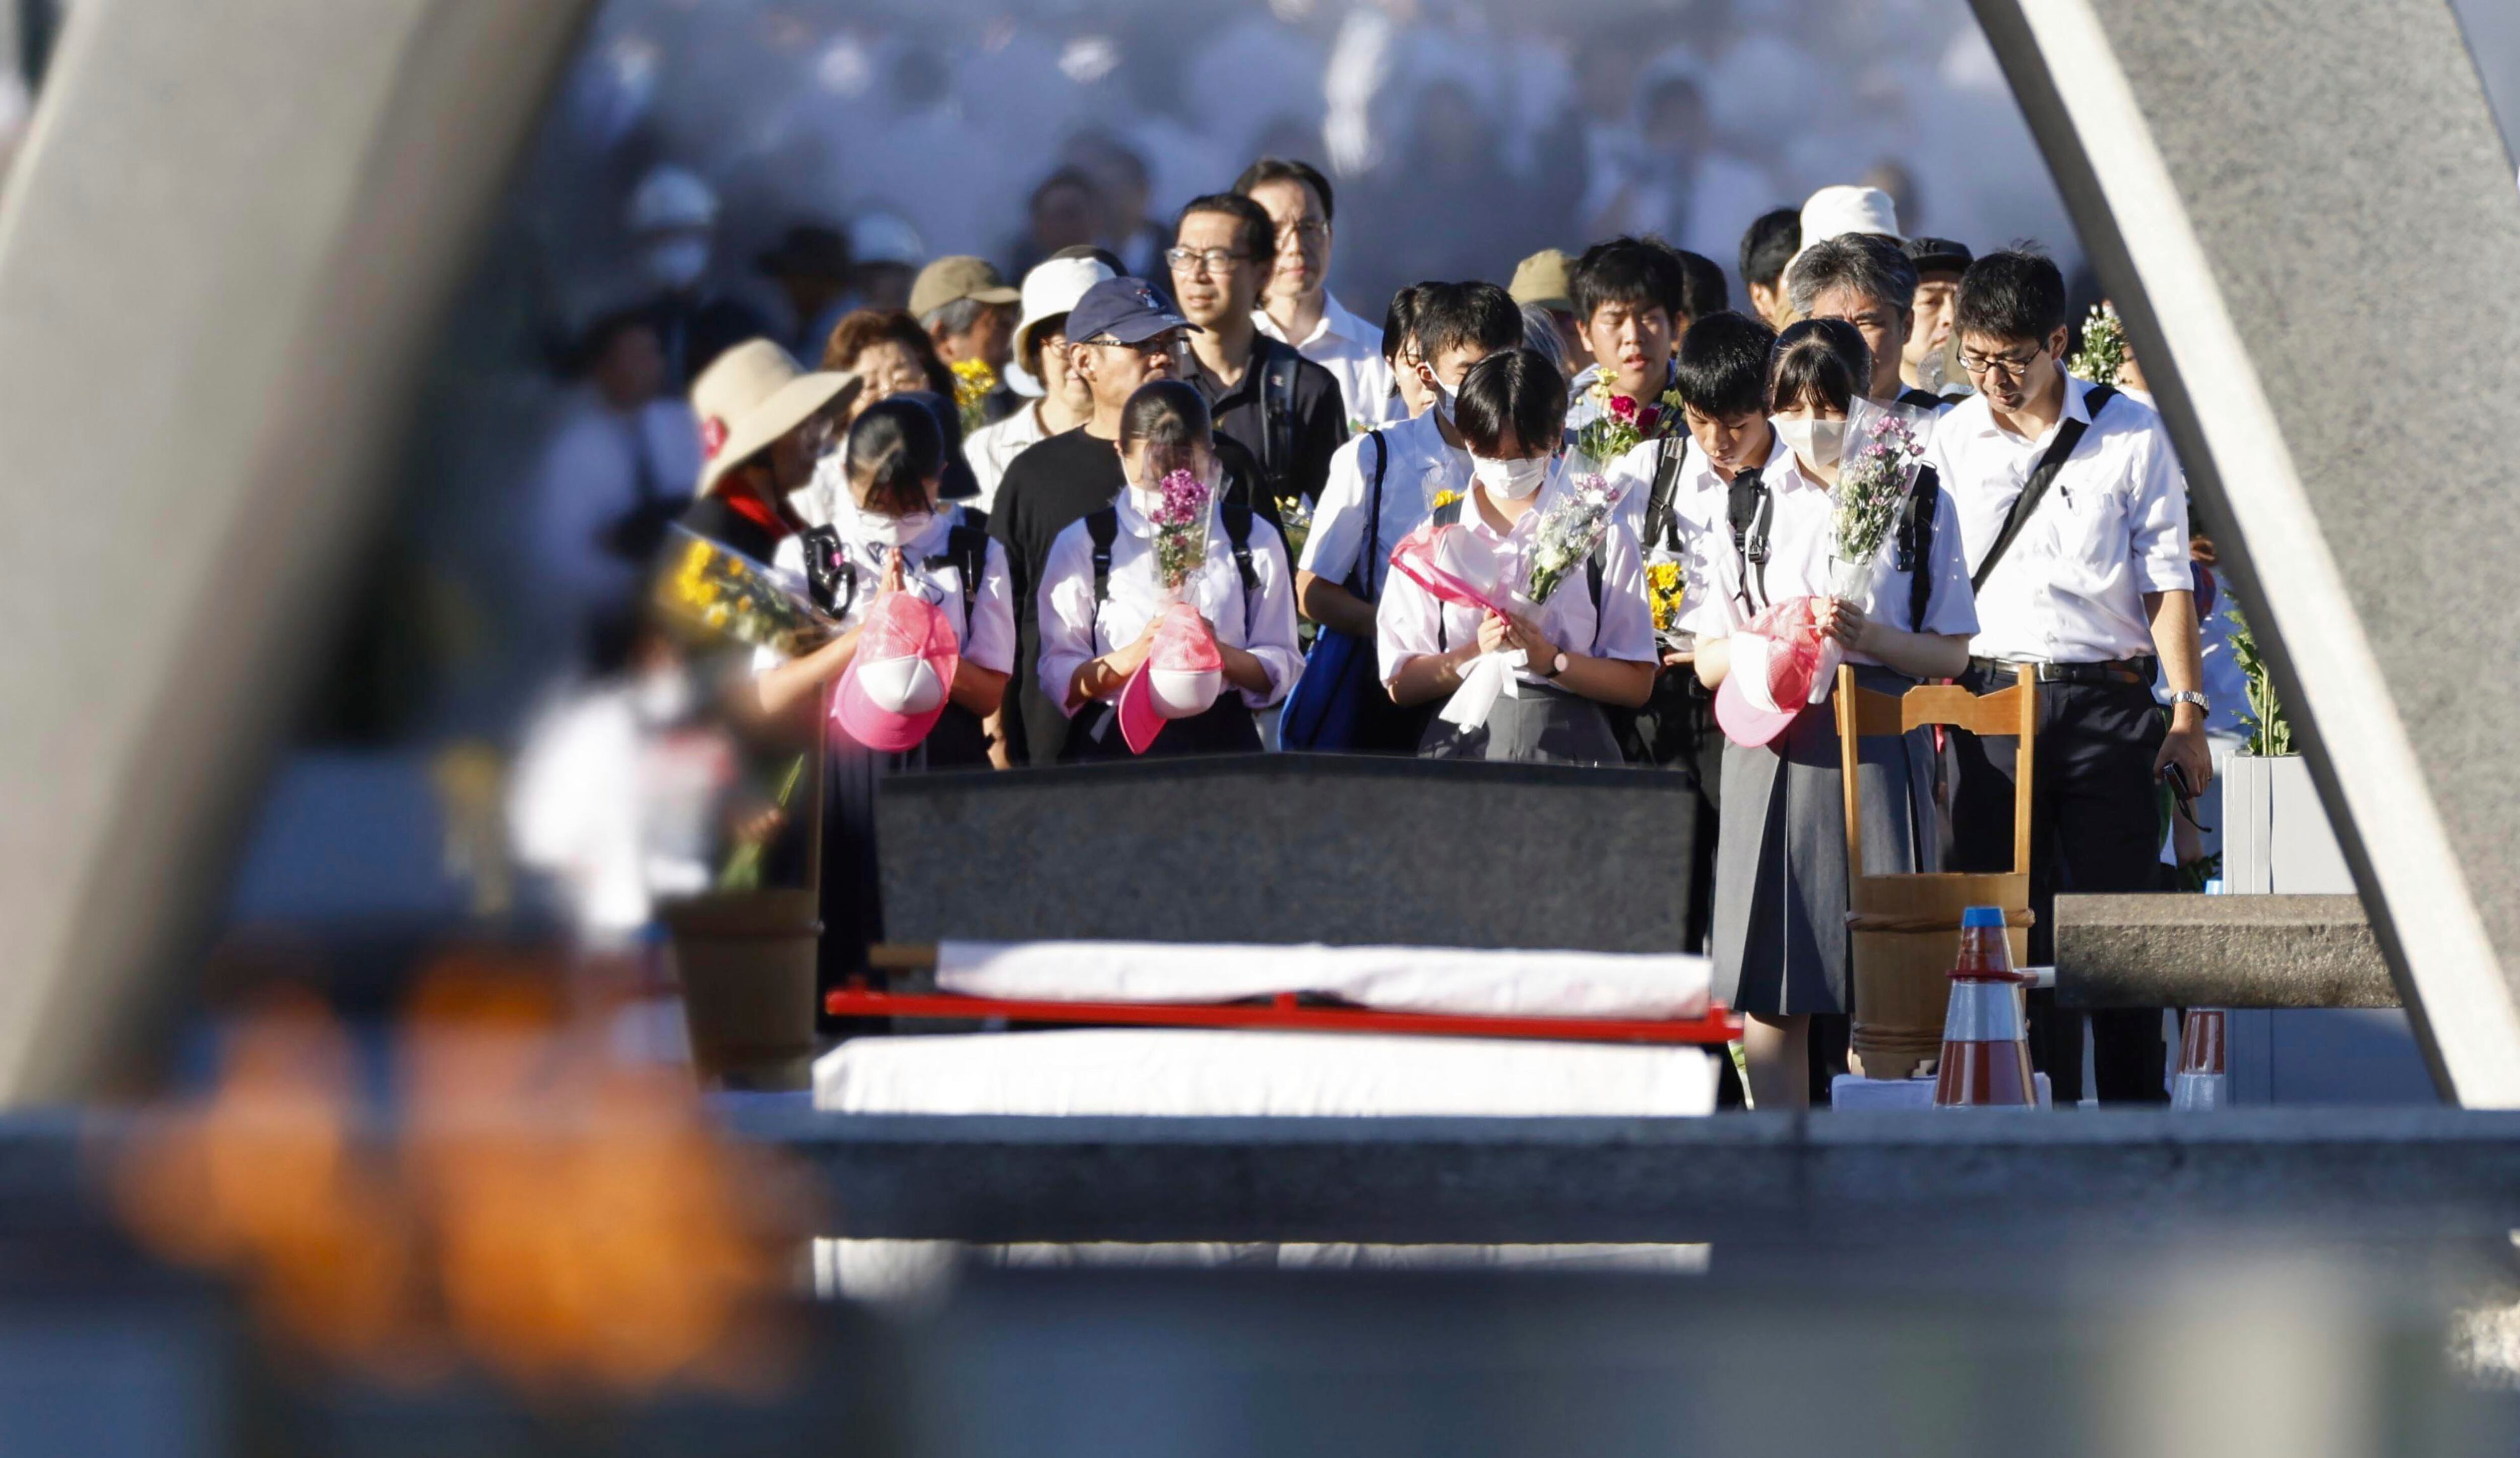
pixel 1188 1072
pixel 1390 979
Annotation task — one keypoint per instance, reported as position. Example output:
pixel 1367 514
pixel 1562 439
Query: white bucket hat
pixel 1053 287
pixel 1835 211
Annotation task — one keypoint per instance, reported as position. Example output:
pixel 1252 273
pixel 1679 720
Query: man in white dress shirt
pixel 1297 307
pixel 2074 516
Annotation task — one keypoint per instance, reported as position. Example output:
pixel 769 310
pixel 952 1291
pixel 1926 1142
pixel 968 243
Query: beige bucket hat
pixel 751 395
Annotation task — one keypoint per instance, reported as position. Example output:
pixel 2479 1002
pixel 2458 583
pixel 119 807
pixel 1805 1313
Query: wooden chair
pixel 1907 928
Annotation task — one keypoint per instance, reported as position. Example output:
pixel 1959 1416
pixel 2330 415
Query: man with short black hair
pixel 1121 334
pixel 1296 306
pixel 1866 280
pixel 1382 483
pixel 1929 366
pixel 1631 302
pixel 2073 516
pixel 1284 408
pixel 1765 248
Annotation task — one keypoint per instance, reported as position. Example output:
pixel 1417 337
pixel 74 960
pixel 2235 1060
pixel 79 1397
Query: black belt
pixel 2138 672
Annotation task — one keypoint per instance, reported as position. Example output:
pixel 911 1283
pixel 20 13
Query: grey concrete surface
pixel 1818 1180
pixel 2299 216
pixel 223 255
pixel 1287 848
pixel 2265 951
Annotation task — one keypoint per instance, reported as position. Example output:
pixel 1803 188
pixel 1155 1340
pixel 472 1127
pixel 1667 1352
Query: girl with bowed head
pixel 1590 644
pixel 1103 606
pixel 1779 941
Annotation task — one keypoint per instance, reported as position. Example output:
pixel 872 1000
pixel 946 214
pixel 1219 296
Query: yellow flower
pixel 1664 589
pixel 1446 498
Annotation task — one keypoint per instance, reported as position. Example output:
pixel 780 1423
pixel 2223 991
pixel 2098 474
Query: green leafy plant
pixel 2269 732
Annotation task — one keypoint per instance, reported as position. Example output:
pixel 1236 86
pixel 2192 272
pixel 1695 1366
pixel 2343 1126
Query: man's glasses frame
pixel 2003 366
pixel 1187 261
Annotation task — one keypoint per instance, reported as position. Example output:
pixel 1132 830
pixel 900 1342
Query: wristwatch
pixel 2204 706
pixel 1556 665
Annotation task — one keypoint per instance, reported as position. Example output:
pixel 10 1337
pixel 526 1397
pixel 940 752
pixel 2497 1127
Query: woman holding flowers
pixel 1112 579
pixel 1522 603
pixel 1823 562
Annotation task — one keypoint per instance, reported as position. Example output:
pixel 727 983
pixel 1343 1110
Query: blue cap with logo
pixel 1126 309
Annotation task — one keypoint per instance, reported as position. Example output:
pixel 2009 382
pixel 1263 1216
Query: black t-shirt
pixel 1048 488
pixel 1298 460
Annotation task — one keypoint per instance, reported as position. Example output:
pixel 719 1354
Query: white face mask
pixel 1511 480
pixel 677 262
pixel 894 531
pixel 1445 396
pixel 1818 443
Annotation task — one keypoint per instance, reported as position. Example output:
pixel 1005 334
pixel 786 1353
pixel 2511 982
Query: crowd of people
pixel 1223 514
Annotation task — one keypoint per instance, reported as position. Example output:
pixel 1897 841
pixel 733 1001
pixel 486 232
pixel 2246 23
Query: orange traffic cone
pixel 1986 1046
pixel 2201 1081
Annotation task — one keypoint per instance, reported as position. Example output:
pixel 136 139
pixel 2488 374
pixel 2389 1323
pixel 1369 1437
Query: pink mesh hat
pixel 1779 662
pixel 895 687
pixel 1180 679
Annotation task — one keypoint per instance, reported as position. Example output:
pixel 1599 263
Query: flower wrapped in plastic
pixel 2103 354
pixel 710 586
pixel 1621 423
pixel 1570 530
pixel 1666 592
pixel 1873 484
pixel 974 381
pixel 1180 519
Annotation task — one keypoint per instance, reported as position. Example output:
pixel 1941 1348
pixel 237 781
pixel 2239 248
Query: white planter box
pixel 2277 840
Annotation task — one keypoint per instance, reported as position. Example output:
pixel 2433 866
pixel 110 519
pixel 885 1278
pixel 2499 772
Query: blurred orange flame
pixel 563 1216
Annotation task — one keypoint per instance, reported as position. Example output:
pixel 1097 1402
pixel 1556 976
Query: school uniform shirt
pixel 1700 499
pixel 1413 623
pixel 1344 344
pixel 987 634
pixel 2112 528
pixel 1420 466
pixel 1801 536
pixel 992 448
pixel 1076 629
pixel 1313 435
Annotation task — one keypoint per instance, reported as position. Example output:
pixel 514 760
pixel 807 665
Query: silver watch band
pixel 2204 706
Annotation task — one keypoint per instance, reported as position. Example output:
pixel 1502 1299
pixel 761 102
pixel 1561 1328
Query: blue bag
pixel 1322 710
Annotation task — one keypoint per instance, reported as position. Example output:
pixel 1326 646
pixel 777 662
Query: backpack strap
pixel 1103 527
pixel 967 546
pixel 1278 413
pixel 1447 515
pixel 1914 543
pixel 1238 534
pixel 1362 574
pixel 2069 435
pixel 1751 509
pixel 1672 451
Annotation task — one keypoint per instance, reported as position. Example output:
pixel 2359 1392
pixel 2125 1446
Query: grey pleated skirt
pixel 1544 725
pixel 1780 938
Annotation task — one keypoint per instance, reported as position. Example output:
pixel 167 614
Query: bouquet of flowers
pixel 719 590
pixel 974 381
pixel 1568 532
pixel 1865 503
pixel 1666 585
pixel 1624 423
pixel 1181 531
pixel 2104 352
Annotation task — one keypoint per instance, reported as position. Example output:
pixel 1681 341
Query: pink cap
pixel 897 683
pixel 1777 662
pixel 1181 678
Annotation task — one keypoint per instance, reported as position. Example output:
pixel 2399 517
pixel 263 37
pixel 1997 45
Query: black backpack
pixel 1750 508
pixel 1104 528
pixel 835 578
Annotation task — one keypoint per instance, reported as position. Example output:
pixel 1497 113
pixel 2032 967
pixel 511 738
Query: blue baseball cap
pixel 1126 309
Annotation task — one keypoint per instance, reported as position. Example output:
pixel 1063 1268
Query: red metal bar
pixel 1284 1014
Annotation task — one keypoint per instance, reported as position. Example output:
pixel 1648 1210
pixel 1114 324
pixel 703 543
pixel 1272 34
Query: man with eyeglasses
pixel 1121 334
pixel 1868 281
pixel 1296 306
pixel 1281 407
pixel 2073 516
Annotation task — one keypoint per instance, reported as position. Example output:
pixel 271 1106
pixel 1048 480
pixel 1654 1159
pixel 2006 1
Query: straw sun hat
pixel 751 395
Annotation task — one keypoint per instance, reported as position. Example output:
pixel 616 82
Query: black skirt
pixel 1227 728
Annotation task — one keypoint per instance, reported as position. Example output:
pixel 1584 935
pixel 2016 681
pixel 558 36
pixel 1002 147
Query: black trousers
pixel 2095 828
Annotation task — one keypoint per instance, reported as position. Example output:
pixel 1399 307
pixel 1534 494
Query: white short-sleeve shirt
pixel 1350 347
pixel 1413 623
pixel 987 634
pixel 2112 528
pixel 1420 464
pixel 1802 537
pixel 1076 629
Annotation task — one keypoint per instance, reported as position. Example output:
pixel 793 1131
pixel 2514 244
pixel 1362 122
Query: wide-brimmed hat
pixel 1546 279
pixel 1181 678
pixel 898 680
pixel 1053 288
pixel 955 278
pixel 751 395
